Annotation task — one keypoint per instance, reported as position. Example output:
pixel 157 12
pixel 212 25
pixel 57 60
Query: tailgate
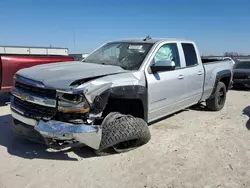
pixel 10 64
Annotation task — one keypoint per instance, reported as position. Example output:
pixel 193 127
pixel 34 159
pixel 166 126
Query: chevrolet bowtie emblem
pixel 22 97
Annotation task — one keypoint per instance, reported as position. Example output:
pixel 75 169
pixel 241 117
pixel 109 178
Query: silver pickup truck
pixel 108 100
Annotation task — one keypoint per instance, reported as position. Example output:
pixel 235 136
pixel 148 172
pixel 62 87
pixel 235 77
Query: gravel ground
pixel 194 148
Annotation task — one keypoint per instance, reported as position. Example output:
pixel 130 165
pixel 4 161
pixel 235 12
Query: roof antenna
pixel 147 38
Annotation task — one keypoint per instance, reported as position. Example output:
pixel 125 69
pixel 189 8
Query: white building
pixel 30 50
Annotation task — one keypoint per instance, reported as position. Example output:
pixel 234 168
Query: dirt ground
pixel 194 148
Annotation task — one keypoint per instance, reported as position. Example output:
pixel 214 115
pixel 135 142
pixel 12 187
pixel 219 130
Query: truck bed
pixel 211 67
pixel 206 60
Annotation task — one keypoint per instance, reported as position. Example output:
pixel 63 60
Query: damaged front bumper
pixel 34 109
pixel 89 135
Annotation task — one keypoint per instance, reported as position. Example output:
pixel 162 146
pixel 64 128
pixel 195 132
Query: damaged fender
pixel 125 85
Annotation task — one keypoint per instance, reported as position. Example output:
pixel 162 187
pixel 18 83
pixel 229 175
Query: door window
pixel 190 54
pixel 168 52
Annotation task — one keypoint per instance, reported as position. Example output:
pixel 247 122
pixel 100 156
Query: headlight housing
pixel 73 103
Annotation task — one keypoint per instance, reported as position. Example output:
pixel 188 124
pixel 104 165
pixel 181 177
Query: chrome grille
pixel 34 110
pixel 41 92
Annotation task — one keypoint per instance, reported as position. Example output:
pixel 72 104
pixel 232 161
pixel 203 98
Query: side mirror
pixel 163 66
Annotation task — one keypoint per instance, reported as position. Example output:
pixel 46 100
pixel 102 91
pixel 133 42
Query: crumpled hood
pixel 61 75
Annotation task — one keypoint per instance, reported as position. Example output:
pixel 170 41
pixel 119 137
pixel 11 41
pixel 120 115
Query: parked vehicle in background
pixel 107 101
pixel 79 57
pixel 14 58
pixel 241 74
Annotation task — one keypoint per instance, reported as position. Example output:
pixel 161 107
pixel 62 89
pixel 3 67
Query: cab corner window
pixel 190 54
pixel 168 52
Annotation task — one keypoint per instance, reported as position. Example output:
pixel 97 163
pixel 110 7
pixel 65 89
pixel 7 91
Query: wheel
pixel 122 133
pixel 217 101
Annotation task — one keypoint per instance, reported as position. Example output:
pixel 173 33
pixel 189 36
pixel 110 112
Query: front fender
pixel 129 85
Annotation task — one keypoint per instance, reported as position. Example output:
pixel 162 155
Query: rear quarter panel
pixel 12 63
pixel 213 71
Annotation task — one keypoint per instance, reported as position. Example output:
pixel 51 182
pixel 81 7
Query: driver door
pixel 166 89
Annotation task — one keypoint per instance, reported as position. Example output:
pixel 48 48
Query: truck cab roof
pixel 152 40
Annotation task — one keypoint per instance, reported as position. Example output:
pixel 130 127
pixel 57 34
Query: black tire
pixel 118 129
pixel 217 101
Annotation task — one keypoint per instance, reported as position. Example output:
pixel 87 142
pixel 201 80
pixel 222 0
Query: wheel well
pixel 133 107
pixel 226 81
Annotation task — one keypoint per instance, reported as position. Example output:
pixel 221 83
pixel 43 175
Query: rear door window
pixel 190 54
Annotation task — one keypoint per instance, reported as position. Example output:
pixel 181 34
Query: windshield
pixel 129 56
pixel 243 65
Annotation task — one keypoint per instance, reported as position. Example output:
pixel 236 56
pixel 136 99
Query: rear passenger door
pixel 193 72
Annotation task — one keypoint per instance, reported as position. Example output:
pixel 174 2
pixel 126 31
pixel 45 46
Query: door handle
pixel 199 73
pixel 180 77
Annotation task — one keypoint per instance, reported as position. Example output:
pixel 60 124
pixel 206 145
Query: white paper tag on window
pixel 135 47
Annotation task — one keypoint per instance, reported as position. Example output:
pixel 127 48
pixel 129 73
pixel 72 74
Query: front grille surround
pixel 35 111
pixel 41 92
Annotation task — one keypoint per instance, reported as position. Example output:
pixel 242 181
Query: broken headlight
pixel 73 103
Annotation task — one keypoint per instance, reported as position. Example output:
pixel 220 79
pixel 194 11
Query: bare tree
pixel 231 54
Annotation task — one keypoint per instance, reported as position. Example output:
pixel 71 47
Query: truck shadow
pixel 199 107
pixel 25 149
pixel 4 99
pixel 246 111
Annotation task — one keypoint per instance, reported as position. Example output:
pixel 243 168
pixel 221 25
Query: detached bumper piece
pixel 89 135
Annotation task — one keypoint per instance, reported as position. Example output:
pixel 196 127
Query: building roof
pixel 32 50
pixel 44 47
